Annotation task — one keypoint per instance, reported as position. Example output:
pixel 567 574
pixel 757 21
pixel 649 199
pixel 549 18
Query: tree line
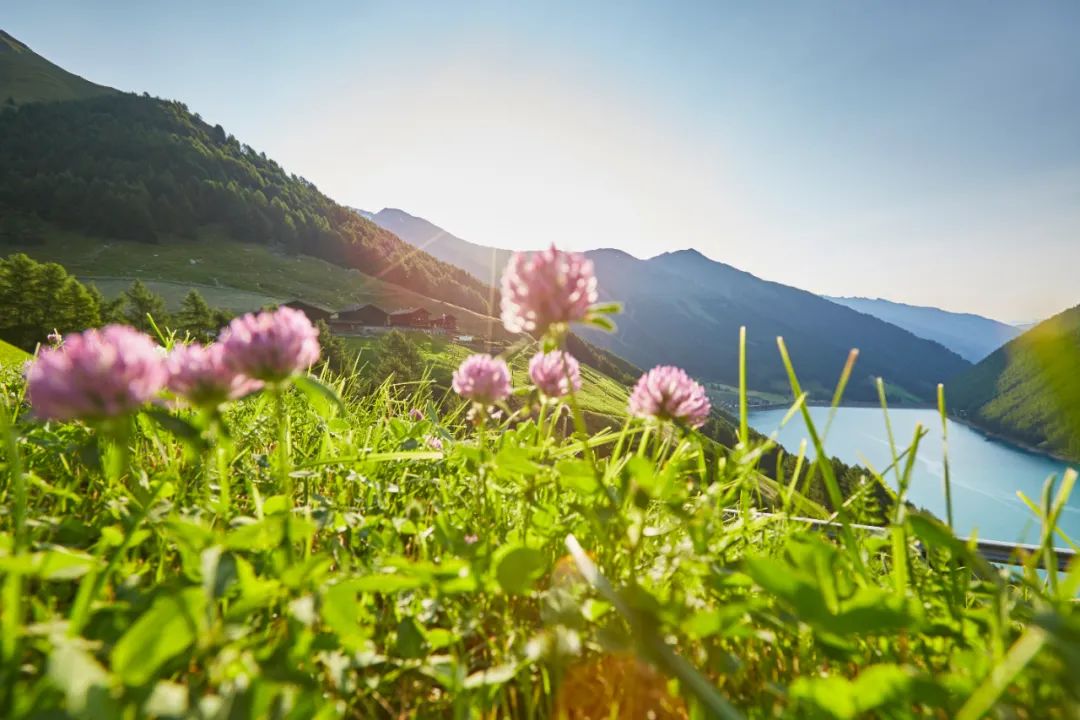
pixel 143 169
pixel 38 298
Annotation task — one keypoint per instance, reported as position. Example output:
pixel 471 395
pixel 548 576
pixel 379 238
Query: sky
pixel 924 152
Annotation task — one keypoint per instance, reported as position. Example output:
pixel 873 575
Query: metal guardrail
pixel 994 551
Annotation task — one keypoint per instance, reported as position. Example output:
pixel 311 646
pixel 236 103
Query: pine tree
pixel 143 304
pixel 110 311
pixel 40 297
pixel 77 308
pixel 196 317
pixel 332 349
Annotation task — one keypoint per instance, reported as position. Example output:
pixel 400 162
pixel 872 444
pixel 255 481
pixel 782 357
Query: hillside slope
pixel 26 77
pixel 138 168
pixel 970 336
pixel 1029 390
pixel 233 275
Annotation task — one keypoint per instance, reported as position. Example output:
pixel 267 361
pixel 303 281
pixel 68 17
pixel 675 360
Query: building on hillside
pixel 411 317
pixel 314 313
pixel 445 322
pixel 360 317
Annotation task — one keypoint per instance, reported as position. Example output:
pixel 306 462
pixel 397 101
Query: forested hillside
pixel 1029 389
pixel 139 168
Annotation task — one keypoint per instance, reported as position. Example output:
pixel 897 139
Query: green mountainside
pixel 26 77
pixel 1029 390
pixel 138 168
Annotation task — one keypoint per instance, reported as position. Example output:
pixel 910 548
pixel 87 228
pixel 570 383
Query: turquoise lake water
pixel 985 473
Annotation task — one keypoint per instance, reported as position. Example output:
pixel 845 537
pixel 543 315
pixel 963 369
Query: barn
pixel 411 317
pixel 445 322
pixel 358 317
pixel 314 313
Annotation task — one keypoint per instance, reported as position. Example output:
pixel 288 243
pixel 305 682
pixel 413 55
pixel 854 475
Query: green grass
pixel 600 394
pixel 27 77
pixel 239 276
pixel 343 567
pixel 11 356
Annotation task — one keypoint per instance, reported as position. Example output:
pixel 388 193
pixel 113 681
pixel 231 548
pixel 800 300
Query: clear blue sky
pixel 924 152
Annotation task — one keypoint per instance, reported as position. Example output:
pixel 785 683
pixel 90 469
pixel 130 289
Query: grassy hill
pixel 1029 390
pixel 233 275
pixel 12 357
pixel 26 77
pixel 241 277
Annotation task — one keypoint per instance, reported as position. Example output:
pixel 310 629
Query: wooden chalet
pixel 314 312
pixel 445 322
pixel 359 317
pixel 411 317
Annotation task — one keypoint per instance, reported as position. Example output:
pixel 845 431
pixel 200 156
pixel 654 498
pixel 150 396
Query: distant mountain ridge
pixel 685 309
pixel 483 263
pixel 27 77
pixel 1029 389
pixel 970 336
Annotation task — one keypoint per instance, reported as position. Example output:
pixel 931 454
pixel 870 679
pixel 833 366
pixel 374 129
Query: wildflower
pixel 472 539
pixel 200 375
pixel 271 346
pixel 55 339
pixel 433 442
pixel 668 393
pixel 545 288
pixel 555 373
pixel 95 375
pixel 483 379
pixel 416 414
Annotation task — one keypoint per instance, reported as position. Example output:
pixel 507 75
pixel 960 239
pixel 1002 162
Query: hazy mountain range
pixel 686 309
pixel 972 337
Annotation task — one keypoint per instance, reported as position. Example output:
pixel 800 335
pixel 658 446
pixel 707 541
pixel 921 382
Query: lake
pixel 985 473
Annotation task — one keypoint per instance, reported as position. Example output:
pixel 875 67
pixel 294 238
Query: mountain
pixel 27 77
pixel 484 263
pixel 1029 390
pixel 686 309
pixel 681 307
pixel 972 337
pixel 127 167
